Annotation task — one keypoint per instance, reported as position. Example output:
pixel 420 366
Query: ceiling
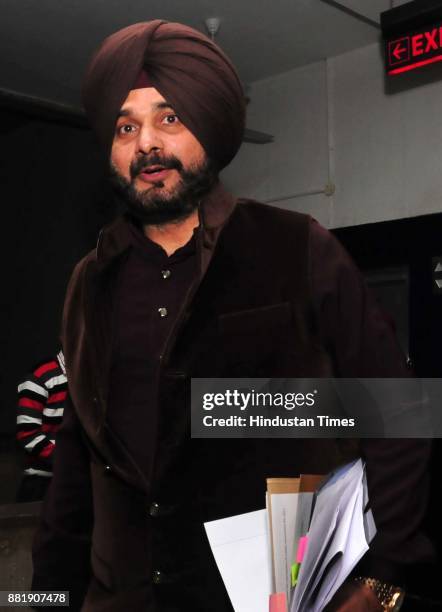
pixel 45 44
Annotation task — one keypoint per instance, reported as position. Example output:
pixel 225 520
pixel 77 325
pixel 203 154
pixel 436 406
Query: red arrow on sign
pixel 398 50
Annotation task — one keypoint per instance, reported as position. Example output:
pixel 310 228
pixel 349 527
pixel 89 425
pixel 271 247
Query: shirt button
pixel 107 469
pixel 162 312
pixel 157 577
pixel 165 273
pixel 154 509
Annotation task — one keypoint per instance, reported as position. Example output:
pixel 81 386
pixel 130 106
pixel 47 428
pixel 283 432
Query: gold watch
pixel 390 597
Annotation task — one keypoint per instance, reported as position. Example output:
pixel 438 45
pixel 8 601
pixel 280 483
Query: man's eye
pixel 171 119
pixel 126 129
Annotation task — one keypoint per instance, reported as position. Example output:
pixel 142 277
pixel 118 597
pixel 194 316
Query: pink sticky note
pixel 278 602
pixel 301 549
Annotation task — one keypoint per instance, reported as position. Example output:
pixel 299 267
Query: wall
pixel 334 121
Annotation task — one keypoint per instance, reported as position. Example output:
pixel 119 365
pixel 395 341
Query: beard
pixel 154 206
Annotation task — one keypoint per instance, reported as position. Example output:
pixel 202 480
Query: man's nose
pixel 149 140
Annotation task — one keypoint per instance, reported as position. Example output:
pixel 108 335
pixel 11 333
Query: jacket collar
pixel 215 208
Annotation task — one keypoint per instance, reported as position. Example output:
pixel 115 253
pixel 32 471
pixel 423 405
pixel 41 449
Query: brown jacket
pixel 250 313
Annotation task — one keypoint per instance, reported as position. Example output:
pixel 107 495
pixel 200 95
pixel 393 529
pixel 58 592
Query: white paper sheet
pixel 241 547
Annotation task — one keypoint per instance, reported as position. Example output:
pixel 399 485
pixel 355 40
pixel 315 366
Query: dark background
pixel 53 205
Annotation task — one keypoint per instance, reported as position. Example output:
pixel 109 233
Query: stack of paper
pixel 254 560
pixel 340 532
pixel 289 504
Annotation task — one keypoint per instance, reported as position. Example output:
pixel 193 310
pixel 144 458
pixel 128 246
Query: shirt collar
pixel 215 208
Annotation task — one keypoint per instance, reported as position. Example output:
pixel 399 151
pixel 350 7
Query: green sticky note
pixel 294 572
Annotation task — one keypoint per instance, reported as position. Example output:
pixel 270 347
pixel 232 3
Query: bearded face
pixel 158 204
pixel 158 168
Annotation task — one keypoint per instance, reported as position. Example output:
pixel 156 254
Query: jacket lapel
pixel 101 277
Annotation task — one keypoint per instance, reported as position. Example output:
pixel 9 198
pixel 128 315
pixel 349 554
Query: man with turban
pixel 191 282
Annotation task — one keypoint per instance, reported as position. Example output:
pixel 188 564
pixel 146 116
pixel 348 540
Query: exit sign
pixel 413 35
pixel 414 50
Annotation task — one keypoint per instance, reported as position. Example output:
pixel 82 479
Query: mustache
pixel 143 162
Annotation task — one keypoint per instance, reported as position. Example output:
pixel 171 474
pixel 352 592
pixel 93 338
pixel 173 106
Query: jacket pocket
pixel 256 320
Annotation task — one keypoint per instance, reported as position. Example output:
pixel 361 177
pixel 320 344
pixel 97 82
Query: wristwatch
pixel 390 597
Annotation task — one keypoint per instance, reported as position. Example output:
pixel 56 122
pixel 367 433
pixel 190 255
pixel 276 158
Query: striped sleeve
pixel 40 408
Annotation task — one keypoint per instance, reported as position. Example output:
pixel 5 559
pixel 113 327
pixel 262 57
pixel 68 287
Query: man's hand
pixel 353 597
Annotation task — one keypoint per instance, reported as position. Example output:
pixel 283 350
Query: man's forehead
pixel 143 99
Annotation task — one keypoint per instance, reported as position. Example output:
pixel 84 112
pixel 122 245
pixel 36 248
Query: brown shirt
pixel 150 290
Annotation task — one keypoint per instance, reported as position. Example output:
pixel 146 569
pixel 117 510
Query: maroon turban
pixel 187 68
